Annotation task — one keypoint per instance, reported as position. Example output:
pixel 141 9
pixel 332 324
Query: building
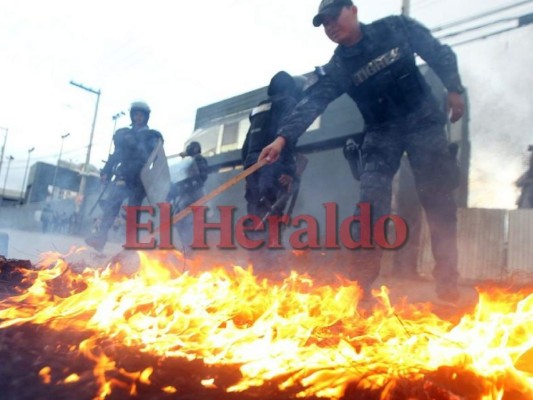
pixel 221 129
pixel 57 186
pixel 47 181
pixel 525 183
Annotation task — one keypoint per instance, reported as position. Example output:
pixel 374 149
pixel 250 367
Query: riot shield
pixel 185 168
pixel 155 176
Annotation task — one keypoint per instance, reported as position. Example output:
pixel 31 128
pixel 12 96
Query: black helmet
pixel 142 107
pixel 283 83
pixel 280 83
pixel 193 149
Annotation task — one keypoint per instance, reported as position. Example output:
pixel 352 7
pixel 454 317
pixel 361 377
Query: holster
pixel 354 155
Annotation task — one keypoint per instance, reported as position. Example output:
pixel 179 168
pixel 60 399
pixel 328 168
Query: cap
pixel 330 7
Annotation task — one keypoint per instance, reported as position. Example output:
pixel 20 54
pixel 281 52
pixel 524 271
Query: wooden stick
pixel 214 193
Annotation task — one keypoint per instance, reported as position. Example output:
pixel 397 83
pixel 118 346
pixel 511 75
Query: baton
pixel 99 198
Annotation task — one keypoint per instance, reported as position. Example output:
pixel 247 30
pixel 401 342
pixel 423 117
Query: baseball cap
pixel 330 7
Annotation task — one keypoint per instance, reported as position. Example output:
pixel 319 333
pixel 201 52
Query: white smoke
pixel 498 76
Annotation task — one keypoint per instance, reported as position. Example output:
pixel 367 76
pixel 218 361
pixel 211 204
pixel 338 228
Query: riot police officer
pixel 375 65
pixel 187 189
pixel 122 172
pixel 268 189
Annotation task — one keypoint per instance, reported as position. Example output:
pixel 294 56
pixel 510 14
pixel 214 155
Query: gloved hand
pixel 456 106
pixel 285 179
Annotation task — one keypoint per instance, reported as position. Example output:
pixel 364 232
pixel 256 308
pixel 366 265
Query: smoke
pixel 500 84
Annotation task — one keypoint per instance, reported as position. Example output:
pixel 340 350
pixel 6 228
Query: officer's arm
pixel 113 159
pixel 107 170
pixel 438 56
pixel 244 149
pixel 316 99
pixel 330 83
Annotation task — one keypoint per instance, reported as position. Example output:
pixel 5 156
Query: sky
pixel 178 56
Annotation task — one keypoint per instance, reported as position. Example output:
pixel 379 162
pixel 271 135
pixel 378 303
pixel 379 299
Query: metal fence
pixel 493 244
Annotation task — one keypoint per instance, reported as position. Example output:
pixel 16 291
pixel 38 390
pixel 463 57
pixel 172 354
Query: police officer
pixel 122 171
pixel 264 186
pixel 375 65
pixel 186 191
pixel 267 190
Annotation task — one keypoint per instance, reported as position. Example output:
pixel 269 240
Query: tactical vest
pixel 385 82
pixel 134 148
pixel 261 132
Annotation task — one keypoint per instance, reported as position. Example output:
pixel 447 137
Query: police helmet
pixel 283 83
pixel 193 149
pixel 140 106
pixel 280 83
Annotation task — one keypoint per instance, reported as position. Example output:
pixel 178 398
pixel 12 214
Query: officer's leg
pixel 437 175
pixel 269 184
pixel 110 208
pixel 382 151
pixel 405 260
pixel 136 196
pixel 185 226
pixel 185 231
pixel 254 205
pixel 260 196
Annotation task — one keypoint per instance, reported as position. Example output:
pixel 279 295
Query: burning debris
pixel 12 273
pixel 225 334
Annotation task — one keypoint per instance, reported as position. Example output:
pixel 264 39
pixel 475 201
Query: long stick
pixel 106 185
pixel 214 193
pixel 202 200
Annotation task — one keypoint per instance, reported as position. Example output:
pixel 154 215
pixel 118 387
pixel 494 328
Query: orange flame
pixel 305 335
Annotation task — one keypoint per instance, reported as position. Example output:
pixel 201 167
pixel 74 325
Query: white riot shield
pixel 155 176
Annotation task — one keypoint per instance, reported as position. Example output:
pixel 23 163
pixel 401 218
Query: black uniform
pixel 265 195
pixel 380 74
pixel 262 187
pixel 132 149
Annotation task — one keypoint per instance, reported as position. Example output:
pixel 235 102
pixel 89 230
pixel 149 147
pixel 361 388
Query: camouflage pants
pixel 436 175
pixel 185 226
pixel 263 191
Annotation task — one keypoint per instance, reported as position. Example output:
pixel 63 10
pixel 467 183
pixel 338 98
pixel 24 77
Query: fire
pixel 311 339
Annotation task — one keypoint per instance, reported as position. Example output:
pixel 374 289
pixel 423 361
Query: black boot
pixel 96 241
pixel 447 291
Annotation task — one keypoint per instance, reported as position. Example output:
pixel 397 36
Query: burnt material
pixel 12 273
pixel 36 362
